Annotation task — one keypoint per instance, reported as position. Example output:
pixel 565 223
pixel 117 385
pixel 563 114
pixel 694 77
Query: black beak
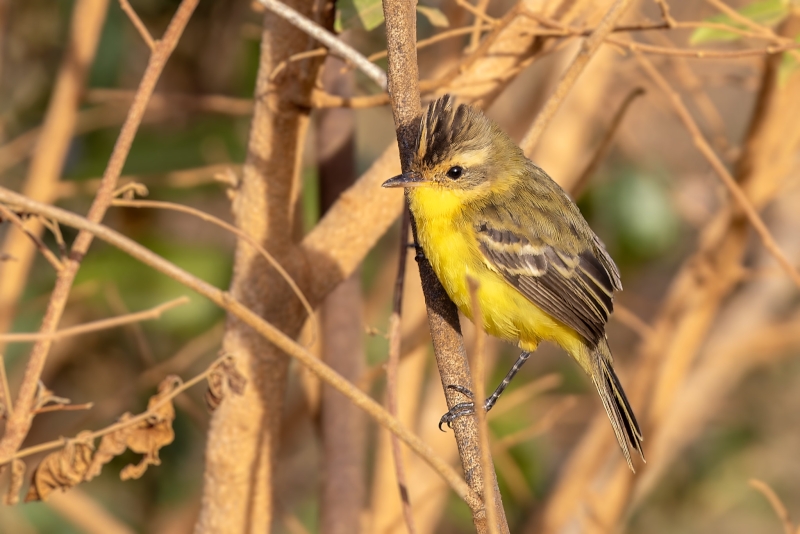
pixel 408 179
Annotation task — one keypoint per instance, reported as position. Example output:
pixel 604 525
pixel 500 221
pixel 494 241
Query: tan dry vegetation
pixel 684 156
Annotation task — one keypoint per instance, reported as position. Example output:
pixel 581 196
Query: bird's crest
pixel 447 128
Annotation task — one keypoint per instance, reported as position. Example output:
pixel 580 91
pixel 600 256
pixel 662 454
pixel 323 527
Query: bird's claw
pixel 460 409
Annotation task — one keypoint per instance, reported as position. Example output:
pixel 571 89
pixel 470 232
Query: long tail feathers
pixel 619 411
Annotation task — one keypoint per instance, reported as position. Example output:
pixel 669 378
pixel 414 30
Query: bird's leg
pixel 521 359
pixel 467 408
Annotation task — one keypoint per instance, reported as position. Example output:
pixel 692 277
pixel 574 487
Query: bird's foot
pixel 461 409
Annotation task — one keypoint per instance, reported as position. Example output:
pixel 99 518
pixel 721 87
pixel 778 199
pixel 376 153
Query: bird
pixel 485 213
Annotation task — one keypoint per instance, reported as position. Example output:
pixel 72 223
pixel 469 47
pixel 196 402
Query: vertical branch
pixel 343 424
pixel 243 437
pixel 392 368
pixel 451 358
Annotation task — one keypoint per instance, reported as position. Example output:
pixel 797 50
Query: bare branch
pixel 451 358
pixel 94 326
pixel 5 213
pixel 478 387
pixel 588 49
pixel 138 24
pixel 226 301
pixel 775 502
pixel 334 44
pixel 392 366
pixel 705 149
pixel 238 233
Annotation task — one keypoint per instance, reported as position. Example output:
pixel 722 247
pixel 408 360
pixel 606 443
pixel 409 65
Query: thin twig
pixel 392 366
pixel 334 44
pixel 7 401
pixel 238 233
pixel 479 14
pixel 588 48
pixel 478 388
pixel 664 8
pixel 477 26
pixel 46 252
pixel 741 19
pixel 775 502
pixel 602 149
pixel 625 316
pixel 317 52
pixel 94 326
pixel 702 54
pixel 64 408
pixel 439 37
pixel 705 149
pixel 138 24
pixel 226 301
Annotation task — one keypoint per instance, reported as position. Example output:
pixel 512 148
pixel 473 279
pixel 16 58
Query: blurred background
pixel 706 337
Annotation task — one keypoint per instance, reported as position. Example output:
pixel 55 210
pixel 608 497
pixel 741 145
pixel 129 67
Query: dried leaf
pixel 148 436
pixel 223 377
pixel 14 485
pixel 61 469
pixel 111 445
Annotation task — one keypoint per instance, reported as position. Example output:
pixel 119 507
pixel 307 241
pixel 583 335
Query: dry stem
pixel 18 425
pixel 392 366
pixel 588 49
pixel 719 167
pixel 94 326
pixel 226 301
pixel 336 45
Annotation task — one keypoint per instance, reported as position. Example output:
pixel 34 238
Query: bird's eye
pixel 455 172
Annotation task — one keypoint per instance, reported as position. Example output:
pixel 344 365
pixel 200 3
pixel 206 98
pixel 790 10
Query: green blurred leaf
pixel 434 16
pixel 766 12
pixel 368 14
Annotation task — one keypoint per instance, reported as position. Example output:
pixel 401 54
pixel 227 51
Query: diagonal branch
pixel 94 326
pixel 589 47
pixel 334 44
pixel 225 300
pixel 705 149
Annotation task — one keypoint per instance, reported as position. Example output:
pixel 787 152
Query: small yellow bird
pixel 484 211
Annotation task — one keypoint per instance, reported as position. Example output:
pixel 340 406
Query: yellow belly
pixel 452 249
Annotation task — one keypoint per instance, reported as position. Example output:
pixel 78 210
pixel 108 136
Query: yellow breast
pixel 446 234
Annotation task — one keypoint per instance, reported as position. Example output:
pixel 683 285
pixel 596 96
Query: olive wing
pixel 573 287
